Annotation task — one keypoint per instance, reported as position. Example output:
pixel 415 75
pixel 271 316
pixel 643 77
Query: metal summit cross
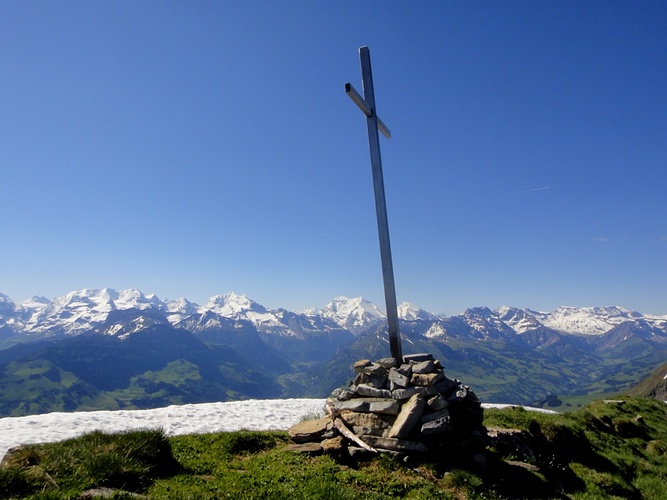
pixel 373 123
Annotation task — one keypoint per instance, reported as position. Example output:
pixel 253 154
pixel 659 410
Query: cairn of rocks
pixel 407 410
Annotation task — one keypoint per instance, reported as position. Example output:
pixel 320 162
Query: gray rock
pixel 361 364
pixel 427 379
pixel 427 366
pixel 410 414
pixel 344 394
pixel 368 405
pixel 374 369
pixel 337 392
pixel 370 391
pixel 406 393
pixel 368 431
pixel 379 381
pixel 367 420
pixel 417 358
pixel 435 415
pixel 309 430
pixel 386 362
pixel 437 402
pixel 397 378
pixel 438 425
pixel 405 369
pixel 385 407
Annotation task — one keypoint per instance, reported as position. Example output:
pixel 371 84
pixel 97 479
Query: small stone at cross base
pixel 361 364
pixel 423 367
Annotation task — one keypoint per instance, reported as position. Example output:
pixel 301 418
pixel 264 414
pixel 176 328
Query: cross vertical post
pixel 373 123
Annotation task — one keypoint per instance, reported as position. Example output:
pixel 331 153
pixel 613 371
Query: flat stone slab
pixel 373 392
pixel 368 405
pixel 309 430
pixel 369 368
pixel 398 378
pixel 427 379
pixel 365 420
pixel 361 364
pixel 418 358
pixel 343 394
pixel 410 414
pixel 406 393
pixel 427 366
pixel 386 362
pixel 437 425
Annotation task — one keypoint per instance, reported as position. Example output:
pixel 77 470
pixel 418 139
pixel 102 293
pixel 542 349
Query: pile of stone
pixel 407 409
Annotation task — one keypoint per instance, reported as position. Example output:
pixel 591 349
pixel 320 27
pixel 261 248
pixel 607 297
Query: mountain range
pixel 125 349
pixel 85 310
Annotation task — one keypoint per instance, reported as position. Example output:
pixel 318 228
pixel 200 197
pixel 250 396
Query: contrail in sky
pixel 533 190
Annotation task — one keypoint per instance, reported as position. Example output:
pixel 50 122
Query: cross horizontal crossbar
pixel 363 106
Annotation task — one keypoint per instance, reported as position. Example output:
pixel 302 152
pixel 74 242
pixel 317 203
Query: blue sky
pixel 195 148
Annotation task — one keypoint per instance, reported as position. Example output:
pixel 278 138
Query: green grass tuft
pixel 129 461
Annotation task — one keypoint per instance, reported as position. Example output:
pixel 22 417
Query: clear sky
pixel 201 147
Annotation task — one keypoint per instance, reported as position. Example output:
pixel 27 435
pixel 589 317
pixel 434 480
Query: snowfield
pixel 255 414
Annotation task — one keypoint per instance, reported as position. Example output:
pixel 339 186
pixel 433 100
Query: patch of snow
pixel 254 414
pixel 269 414
pixel 435 330
pixel 528 408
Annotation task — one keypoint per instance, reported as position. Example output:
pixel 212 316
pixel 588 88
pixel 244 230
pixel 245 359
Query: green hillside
pixel 153 368
pixel 653 386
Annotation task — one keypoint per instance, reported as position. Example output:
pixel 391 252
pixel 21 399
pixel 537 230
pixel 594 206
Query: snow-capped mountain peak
pixel 7 305
pixel 484 321
pixel 585 320
pixel 355 314
pixel 410 312
pixel 232 305
pixel 115 313
pixel 520 320
pixel 135 299
pixel 180 306
pixel 35 302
